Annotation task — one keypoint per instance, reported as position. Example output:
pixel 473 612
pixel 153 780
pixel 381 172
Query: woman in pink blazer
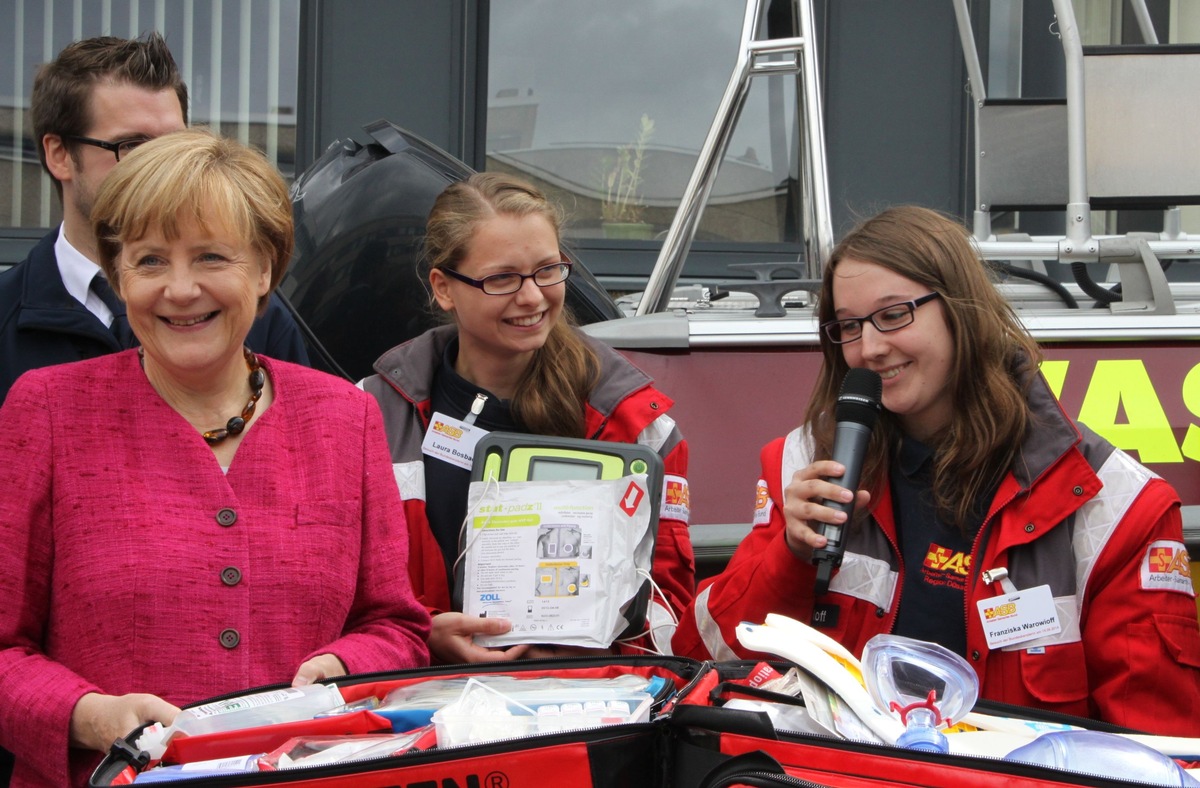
pixel 188 519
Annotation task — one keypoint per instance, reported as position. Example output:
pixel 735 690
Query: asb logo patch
pixel 943 559
pixel 676 501
pixel 946 567
pixel 762 504
pixel 1165 568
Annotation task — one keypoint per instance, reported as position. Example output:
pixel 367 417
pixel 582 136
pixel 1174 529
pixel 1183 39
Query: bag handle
pixel 743 723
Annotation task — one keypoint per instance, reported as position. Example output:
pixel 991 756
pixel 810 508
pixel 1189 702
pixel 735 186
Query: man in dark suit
pixel 95 102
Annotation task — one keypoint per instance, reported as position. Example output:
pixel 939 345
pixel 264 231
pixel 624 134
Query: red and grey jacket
pixel 1074 513
pixel 623 407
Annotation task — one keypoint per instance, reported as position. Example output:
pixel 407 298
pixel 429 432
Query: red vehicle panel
pixel 1143 398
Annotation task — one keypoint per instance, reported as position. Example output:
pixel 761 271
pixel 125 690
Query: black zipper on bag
pixel 995 708
pixel 756 779
pixel 111 767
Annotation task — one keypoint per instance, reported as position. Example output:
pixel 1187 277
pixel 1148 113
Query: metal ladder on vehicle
pixel 1105 145
pixel 796 55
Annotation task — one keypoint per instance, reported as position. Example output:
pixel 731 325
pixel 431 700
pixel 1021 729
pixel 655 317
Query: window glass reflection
pixel 609 117
pixel 239 59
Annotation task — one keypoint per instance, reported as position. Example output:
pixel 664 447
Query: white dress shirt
pixel 77 273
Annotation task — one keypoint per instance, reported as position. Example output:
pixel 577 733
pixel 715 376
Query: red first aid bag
pixel 610 756
pixel 715 747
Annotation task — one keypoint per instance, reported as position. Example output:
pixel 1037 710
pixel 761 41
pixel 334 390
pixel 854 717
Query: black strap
pixel 120 324
pixel 727 690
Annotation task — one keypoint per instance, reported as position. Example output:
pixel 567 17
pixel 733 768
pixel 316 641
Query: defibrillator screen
pixel 558 470
pixel 513 457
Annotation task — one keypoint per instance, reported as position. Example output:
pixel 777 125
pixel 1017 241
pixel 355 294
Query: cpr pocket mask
pixel 562 560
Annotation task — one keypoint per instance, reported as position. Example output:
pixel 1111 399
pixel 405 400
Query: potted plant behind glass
pixel 621 206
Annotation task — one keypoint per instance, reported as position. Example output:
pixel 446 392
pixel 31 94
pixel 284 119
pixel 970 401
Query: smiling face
pixel 915 362
pixel 191 300
pixel 502 331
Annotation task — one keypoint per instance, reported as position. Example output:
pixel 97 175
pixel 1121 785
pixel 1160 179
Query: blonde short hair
pixel 188 175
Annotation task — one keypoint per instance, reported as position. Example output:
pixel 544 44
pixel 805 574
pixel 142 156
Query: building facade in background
pixel 604 105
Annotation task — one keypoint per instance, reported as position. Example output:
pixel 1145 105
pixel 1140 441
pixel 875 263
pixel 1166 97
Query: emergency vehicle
pixel 739 356
pixel 1120 348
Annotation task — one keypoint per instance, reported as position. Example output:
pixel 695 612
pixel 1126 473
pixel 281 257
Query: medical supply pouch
pixel 712 728
pixel 515 748
pixel 559 539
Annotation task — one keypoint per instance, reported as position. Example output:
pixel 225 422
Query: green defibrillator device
pixel 517 457
pixel 513 457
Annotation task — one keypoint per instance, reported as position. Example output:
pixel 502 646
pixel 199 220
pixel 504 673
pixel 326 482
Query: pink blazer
pixel 129 562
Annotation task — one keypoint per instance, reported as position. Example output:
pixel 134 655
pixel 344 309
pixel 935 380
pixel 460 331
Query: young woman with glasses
pixel 511 360
pixel 972 468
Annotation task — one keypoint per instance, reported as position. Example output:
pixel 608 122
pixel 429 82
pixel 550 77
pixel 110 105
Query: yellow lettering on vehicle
pixel 1124 384
pixel 1055 373
pixel 1191 400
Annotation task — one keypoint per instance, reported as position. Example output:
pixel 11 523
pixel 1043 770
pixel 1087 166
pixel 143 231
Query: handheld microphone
pixel 856 412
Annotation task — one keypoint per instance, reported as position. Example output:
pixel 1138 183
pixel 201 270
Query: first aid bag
pixel 616 748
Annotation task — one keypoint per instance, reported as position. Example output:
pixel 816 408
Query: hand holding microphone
pixel 856 412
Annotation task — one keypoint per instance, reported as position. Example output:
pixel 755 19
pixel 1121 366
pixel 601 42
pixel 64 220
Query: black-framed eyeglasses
pixel 892 317
pixel 118 148
pixel 503 284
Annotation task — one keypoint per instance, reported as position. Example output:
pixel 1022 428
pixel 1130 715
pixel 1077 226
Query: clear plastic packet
pixel 245 711
pixel 484 713
pixel 217 767
pixel 414 705
pixel 322 750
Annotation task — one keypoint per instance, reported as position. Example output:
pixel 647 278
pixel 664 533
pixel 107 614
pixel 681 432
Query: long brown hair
pixel 993 356
pixel 550 396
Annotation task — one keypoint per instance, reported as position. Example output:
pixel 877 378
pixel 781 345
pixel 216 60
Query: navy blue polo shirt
pixel 936 555
pixel 446 484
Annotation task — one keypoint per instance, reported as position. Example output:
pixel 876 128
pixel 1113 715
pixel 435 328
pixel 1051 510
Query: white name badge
pixel 1018 616
pixel 452 440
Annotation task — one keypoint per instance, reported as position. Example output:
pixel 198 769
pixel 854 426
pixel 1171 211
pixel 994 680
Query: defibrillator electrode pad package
pixel 559 538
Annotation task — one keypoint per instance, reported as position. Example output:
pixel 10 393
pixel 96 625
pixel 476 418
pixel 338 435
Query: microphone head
pixel 859 399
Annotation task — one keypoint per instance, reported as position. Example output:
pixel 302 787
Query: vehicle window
pixel 608 112
pixel 239 62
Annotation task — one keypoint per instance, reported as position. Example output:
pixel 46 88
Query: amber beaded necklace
pixel 235 425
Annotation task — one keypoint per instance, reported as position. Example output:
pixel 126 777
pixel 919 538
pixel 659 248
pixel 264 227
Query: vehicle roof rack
pixel 755 58
pixel 1104 145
